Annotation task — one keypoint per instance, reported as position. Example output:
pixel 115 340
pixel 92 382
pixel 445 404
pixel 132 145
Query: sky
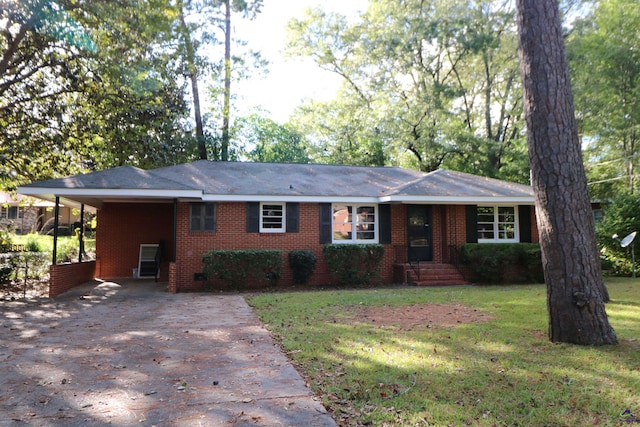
pixel 289 81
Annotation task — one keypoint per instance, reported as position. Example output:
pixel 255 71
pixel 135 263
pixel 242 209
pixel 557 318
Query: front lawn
pixel 475 356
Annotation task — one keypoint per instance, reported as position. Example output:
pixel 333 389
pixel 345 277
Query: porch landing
pixel 428 274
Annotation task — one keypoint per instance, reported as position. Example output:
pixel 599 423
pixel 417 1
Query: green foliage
pixel 425 85
pixel 5 241
pixel 302 262
pixel 34 244
pixel 268 141
pixel 115 97
pixel 67 251
pixel 492 263
pixel 605 64
pixel 242 269
pixel 621 217
pixel 25 266
pixel 354 264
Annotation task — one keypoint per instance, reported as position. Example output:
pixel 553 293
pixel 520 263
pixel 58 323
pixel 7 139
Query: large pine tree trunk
pixel 575 289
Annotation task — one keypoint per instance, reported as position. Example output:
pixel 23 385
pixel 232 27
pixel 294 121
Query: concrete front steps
pixel 429 274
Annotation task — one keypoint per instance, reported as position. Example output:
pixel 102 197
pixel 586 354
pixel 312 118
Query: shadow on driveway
pixel 128 353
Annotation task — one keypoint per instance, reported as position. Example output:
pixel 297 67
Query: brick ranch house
pixel 196 207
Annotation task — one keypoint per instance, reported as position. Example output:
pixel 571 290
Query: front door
pixel 419 232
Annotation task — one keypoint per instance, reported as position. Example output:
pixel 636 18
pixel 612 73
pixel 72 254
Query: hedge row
pixel 242 269
pixel 503 262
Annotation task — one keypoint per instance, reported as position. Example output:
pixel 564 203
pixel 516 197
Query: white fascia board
pixel 458 200
pixel 284 199
pixel 109 192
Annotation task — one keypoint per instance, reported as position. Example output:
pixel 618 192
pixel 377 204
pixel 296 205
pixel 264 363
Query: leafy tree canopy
pixel 426 84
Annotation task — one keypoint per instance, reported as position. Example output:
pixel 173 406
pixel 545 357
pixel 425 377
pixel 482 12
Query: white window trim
pixel 282 229
pixel 496 239
pixel 354 232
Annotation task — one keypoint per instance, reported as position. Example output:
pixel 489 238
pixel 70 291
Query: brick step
pixel 423 272
pixel 450 282
pixel 435 274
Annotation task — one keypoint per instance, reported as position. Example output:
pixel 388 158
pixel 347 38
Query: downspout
pixel 81 235
pixel 56 212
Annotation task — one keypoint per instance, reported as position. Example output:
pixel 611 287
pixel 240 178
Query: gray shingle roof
pixel 445 183
pixel 253 181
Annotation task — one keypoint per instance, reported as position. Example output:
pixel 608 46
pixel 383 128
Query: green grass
pixel 66 244
pixel 503 372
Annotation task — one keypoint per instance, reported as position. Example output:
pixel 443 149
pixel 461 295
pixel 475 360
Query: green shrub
pixel 240 269
pixel 33 244
pixel 23 265
pixel 5 274
pixel 67 251
pixel 302 262
pixel 488 262
pixel 5 241
pixel 615 264
pixel 354 264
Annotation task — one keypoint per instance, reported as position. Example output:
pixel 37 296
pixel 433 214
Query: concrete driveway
pixel 128 353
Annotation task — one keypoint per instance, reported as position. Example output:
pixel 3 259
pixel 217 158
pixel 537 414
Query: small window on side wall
pixel 202 217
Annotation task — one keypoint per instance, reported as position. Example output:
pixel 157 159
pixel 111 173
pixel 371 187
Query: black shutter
pixel 325 223
pixel 293 217
pixel 253 217
pixel 524 222
pixel 384 222
pixel 472 223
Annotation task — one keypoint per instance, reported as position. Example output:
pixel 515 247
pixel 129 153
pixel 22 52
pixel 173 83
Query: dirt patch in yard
pixel 422 315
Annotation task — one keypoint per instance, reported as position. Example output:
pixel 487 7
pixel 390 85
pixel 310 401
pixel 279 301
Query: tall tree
pixel 436 81
pixel 85 85
pixel 226 104
pixel 191 70
pixel 605 64
pixel 575 288
pixel 208 23
pixel 271 142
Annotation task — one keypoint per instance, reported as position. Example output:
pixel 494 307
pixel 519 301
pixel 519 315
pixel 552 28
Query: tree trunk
pixel 575 289
pixel 226 110
pixel 193 77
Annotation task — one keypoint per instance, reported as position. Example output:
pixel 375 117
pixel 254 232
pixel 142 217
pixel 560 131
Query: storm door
pixel 419 232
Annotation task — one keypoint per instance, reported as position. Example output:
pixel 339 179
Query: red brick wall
pixel 63 277
pixel 122 227
pixel 230 234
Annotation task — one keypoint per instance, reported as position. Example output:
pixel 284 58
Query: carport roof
pixel 244 181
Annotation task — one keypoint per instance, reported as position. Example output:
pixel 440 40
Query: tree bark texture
pixel 575 288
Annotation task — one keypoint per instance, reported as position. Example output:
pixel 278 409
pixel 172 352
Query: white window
pixel 354 224
pixel 272 218
pixel 497 224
